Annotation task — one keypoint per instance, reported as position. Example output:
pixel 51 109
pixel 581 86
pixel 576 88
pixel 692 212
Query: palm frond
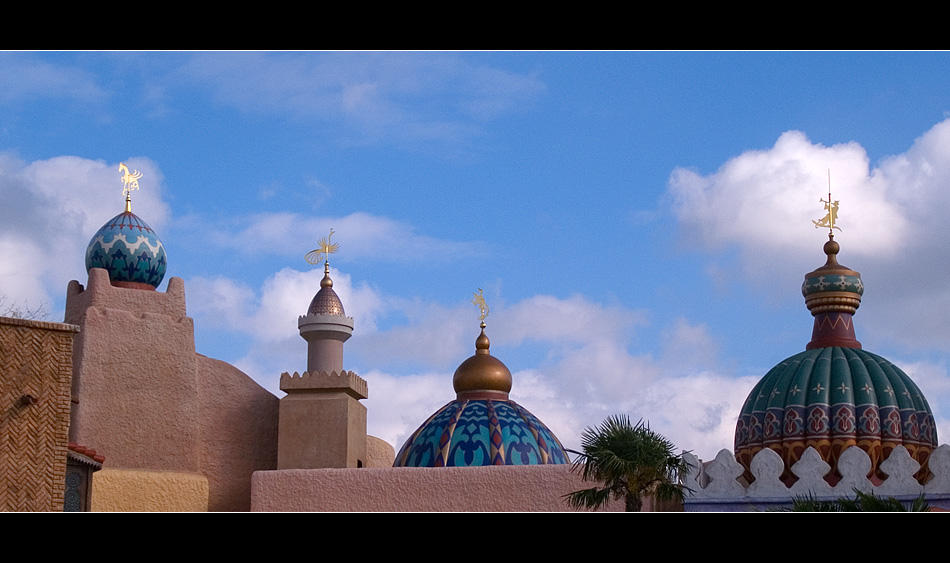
pixel 630 460
pixel 862 502
pixel 592 498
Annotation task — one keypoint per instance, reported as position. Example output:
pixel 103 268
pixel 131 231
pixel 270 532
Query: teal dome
pixel 482 426
pixel 130 251
pixel 832 398
pixel 835 395
pixel 467 433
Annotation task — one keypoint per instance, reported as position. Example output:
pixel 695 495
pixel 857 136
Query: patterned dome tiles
pixel 326 302
pixel 832 398
pixel 467 433
pixel 129 250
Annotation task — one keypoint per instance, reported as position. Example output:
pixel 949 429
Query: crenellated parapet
pixel 322 422
pixel 719 485
pixel 101 293
pixel 346 381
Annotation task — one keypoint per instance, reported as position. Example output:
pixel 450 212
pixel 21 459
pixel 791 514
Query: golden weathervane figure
pixel 130 181
pixel 831 207
pixel 479 301
pixel 326 248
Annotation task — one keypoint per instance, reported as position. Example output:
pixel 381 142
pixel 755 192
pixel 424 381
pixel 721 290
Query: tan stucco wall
pixel 379 453
pixel 500 488
pixel 149 403
pixel 238 432
pixel 135 376
pixel 321 430
pixel 119 490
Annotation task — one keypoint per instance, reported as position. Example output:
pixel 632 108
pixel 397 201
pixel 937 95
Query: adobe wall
pixel 150 404
pixel 535 488
pixel 379 452
pixel 123 490
pixel 238 432
pixel 35 376
pixel 134 374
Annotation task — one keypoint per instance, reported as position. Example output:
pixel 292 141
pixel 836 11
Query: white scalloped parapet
pixel 717 485
pixel 346 381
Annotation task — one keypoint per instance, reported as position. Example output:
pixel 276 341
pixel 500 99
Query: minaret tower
pixel 325 327
pixel 322 422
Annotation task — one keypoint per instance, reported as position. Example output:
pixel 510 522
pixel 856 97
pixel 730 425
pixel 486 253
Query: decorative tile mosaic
pixel 830 398
pixel 481 432
pixel 129 250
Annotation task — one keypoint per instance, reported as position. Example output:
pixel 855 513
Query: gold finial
pixel 831 207
pixel 326 248
pixel 130 181
pixel 479 301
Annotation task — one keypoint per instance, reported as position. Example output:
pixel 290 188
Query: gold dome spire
pixel 832 292
pixel 482 376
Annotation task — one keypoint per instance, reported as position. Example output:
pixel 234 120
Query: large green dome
pixel 833 398
pixel 835 395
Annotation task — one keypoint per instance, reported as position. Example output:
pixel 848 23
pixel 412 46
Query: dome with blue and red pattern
pixel 130 251
pixel 482 426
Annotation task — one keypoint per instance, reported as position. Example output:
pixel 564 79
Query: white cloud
pixel 893 220
pixel 764 201
pixel 398 405
pixel 894 225
pixel 585 372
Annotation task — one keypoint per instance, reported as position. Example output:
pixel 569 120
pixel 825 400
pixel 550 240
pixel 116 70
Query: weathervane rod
pixel 831 217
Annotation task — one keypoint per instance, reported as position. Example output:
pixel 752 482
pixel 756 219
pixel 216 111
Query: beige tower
pixel 179 430
pixel 322 422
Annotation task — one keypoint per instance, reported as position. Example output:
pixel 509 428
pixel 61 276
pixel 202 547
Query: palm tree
pixel 863 502
pixel 630 461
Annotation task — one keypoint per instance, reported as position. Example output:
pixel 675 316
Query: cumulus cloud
pixel 398 405
pixel 585 370
pixel 50 209
pixel 764 201
pixel 892 217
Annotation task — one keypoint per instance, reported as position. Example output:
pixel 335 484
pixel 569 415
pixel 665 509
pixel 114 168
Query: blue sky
pixel 640 222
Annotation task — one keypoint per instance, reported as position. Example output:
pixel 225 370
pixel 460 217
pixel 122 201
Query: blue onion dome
pixel 326 301
pixel 482 426
pixel 835 395
pixel 129 250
